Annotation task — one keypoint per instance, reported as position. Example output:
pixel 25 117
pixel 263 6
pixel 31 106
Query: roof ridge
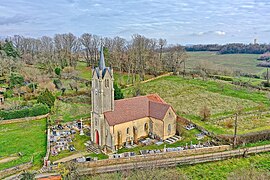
pixel 136 97
pixel 162 103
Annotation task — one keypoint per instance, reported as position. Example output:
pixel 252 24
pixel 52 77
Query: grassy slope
pixel 70 111
pixel 29 138
pixel 259 164
pixel 189 96
pixel 221 169
pixel 243 62
pixel 86 73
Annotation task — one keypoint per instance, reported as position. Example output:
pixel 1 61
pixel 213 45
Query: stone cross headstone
pixel 81 132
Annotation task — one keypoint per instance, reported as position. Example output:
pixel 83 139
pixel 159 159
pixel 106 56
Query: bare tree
pixel 161 43
pixel 86 40
pixel 238 112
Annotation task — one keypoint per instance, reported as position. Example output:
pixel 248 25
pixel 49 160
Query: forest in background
pixel 140 55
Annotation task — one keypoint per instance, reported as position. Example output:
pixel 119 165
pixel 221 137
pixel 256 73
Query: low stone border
pixel 23 119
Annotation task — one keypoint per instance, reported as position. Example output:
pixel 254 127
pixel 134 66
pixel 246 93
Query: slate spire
pixel 101 63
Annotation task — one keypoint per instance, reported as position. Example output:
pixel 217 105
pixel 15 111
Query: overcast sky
pixel 179 21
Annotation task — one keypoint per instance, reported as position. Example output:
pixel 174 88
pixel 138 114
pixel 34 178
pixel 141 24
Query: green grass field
pixel 189 96
pixel 243 62
pixel 66 112
pixel 223 169
pixel 28 138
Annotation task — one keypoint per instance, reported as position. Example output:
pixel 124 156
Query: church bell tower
pixel 102 100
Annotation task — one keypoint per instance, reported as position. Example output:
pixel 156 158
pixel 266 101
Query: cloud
pixel 220 33
pixel 16 19
pixel 182 21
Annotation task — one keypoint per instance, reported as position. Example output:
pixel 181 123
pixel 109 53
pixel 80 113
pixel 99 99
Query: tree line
pixel 140 55
pixel 232 48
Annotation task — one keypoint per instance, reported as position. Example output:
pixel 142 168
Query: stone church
pixel 117 122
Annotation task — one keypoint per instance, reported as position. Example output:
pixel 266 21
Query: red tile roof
pixel 56 177
pixel 126 110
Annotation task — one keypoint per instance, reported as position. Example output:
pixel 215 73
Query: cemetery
pixel 164 150
pixel 67 139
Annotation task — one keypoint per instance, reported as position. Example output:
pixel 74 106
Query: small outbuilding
pixel 2 91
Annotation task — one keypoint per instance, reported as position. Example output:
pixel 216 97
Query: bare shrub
pixel 205 113
pixel 228 123
pixel 150 173
pixel 249 174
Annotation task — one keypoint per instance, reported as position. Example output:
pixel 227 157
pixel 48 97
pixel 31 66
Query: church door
pixel 97 137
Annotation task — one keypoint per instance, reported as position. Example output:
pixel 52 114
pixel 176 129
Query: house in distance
pixel 117 122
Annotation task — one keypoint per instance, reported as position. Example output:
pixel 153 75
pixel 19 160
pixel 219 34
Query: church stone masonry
pixel 116 122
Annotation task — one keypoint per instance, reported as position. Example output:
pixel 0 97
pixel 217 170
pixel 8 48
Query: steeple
pixel 101 63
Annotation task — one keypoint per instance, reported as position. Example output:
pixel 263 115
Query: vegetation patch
pixel 228 168
pixel 27 138
pixel 36 110
pixel 190 96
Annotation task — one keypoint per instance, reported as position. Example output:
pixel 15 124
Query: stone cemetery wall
pixel 247 138
pixel 46 158
pixel 148 157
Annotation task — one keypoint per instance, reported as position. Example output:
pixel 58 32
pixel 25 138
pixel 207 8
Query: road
pixel 171 162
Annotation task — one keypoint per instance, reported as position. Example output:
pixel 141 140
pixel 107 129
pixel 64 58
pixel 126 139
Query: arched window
pixel 169 128
pixel 146 126
pixel 127 130
pixel 96 83
pixel 107 83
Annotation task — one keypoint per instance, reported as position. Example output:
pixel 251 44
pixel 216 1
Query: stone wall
pixel 129 134
pixel 166 155
pixel 46 158
pixel 23 119
pixel 169 119
pixel 246 138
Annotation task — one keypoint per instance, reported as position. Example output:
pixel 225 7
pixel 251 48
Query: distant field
pixel 29 138
pixel 189 96
pixel 243 62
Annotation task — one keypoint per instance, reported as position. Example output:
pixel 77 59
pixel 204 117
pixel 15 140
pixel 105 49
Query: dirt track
pixel 8 159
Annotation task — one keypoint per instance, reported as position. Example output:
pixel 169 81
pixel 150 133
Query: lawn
pixel 243 62
pixel 66 112
pixel 28 138
pixel 189 96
